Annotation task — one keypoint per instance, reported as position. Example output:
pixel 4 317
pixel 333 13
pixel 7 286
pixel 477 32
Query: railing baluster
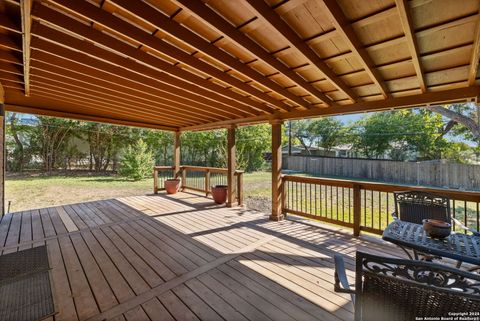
pixel 327 197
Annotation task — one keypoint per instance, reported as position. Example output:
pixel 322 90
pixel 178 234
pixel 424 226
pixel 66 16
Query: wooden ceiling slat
pixel 11 68
pixel 18 102
pixel 8 24
pixel 343 26
pixel 108 20
pixel 143 11
pixel 9 57
pixel 264 11
pixel 117 65
pixel 406 19
pixel 472 74
pixel 223 27
pixel 145 91
pixel 113 96
pixel 12 78
pixel 9 43
pixel 205 64
pixel 86 107
pixel 418 100
pixel 49 82
pixel 88 100
pixel 25 10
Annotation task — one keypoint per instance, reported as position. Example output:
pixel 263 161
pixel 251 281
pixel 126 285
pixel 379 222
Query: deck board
pixel 182 257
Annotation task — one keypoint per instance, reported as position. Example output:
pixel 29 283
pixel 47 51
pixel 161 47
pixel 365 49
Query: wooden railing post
pixel 284 196
pixel 155 181
pixel 207 182
pixel 357 209
pixel 231 164
pixel 184 178
pixel 240 188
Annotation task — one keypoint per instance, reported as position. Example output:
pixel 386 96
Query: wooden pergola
pixel 183 65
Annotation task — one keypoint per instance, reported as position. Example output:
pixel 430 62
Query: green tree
pixel 252 142
pixel 326 132
pixel 160 142
pixel 50 137
pixel 137 162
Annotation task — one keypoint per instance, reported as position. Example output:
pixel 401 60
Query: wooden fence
pixel 436 174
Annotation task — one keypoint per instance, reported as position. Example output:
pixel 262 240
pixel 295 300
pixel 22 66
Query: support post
pixel 176 154
pixel 277 214
pixel 231 165
pixel 2 149
pixel 357 209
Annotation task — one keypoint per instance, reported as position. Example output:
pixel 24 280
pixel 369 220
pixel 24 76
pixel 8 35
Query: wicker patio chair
pixel 415 206
pixel 400 290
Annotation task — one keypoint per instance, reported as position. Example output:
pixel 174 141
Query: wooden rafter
pixel 407 24
pixel 112 22
pixel 472 74
pixel 142 11
pixel 343 27
pixel 153 109
pixel 25 9
pixel 123 93
pixel 420 100
pixel 275 21
pixel 105 99
pixel 148 91
pixel 223 27
pixel 133 69
pixel 46 110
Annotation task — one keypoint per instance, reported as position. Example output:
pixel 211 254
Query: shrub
pixel 137 162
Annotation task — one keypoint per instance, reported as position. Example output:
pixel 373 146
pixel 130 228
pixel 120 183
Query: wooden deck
pixel 182 258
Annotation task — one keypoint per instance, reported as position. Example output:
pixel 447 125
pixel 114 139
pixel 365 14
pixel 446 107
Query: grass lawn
pixel 43 191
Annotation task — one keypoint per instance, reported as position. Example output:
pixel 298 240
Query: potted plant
pixel 172 185
pixel 219 193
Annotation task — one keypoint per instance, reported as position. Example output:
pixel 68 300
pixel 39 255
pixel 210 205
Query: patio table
pixel 457 246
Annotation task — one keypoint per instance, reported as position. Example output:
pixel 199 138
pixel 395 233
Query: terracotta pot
pixel 172 185
pixel 219 193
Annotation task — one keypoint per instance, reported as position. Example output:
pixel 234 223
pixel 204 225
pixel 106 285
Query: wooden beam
pixel 45 111
pixel 149 94
pixel 25 9
pixel 112 22
pixel 114 106
pixel 48 79
pixel 345 29
pixel 200 10
pixel 88 105
pixel 177 153
pixel 176 30
pixel 419 100
pixel 472 74
pixel 231 165
pixel 275 21
pixel 129 70
pixel 277 190
pixel 409 31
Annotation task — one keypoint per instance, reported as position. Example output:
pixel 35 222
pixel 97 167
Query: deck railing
pixel 363 206
pixel 198 178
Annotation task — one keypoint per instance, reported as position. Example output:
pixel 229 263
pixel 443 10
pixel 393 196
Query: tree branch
pixel 459 118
